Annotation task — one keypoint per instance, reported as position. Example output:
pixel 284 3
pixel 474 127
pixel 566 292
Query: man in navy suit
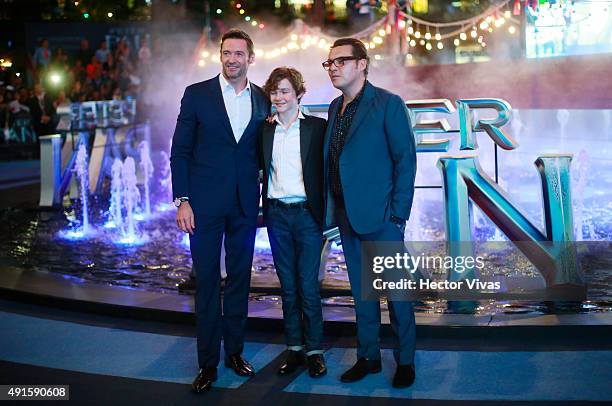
pixel 215 182
pixel 370 167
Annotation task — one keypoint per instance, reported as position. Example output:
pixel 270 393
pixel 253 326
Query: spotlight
pixel 55 78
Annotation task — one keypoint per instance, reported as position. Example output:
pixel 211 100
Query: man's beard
pixel 236 74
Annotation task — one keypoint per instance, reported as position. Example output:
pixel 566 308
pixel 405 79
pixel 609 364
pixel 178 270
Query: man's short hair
pixel 358 50
pixel 235 33
pixel 291 74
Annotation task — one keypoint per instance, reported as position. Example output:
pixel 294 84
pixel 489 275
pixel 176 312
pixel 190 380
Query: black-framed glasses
pixel 338 62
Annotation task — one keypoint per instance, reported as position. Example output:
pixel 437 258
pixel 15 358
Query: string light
pixel 430 38
pixel 495 17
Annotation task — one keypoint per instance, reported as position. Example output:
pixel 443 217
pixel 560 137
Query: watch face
pixel 177 202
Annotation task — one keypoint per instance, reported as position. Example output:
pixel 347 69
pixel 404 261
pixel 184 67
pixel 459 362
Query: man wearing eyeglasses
pixel 370 167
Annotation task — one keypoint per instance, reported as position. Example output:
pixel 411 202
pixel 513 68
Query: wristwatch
pixel 179 200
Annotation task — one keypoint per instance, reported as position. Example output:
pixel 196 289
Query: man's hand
pixel 400 223
pixel 184 218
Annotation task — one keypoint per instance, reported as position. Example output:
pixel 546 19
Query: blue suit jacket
pixel 377 163
pixel 207 163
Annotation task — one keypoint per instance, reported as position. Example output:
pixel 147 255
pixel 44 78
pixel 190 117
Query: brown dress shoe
pixel 293 360
pixel 316 365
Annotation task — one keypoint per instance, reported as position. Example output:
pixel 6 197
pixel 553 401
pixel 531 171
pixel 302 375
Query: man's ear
pixel 299 97
pixel 251 59
pixel 363 64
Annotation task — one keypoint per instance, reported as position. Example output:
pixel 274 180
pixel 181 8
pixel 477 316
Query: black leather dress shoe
pixel 293 360
pixel 404 376
pixel 240 366
pixel 362 367
pixel 316 365
pixel 204 380
pixel 186 285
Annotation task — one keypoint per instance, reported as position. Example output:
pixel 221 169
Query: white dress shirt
pixel 238 106
pixel 286 180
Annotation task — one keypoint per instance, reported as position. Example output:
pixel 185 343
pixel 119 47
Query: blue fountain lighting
pixel 185 240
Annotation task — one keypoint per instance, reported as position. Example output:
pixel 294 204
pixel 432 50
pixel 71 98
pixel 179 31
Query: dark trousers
pixel 367 312
pixel 296 240
pixel 212 320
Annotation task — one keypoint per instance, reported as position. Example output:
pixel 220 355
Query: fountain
pixel 563 119
pixel 115 214
pixel 131 196
pixel 83 175
pixel 147 169
pixel 165 182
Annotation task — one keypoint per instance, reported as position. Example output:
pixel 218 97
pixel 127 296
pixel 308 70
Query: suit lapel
pixel 268 144
pixel 220 106
pixel 256 111
pixel 364 108
pixel 305 138
pixel 331 122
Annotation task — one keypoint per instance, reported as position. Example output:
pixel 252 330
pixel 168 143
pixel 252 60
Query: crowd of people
pixel 58 78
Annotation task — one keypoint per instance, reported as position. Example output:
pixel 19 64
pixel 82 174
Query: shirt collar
pixel 226 86
pixel 300 117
